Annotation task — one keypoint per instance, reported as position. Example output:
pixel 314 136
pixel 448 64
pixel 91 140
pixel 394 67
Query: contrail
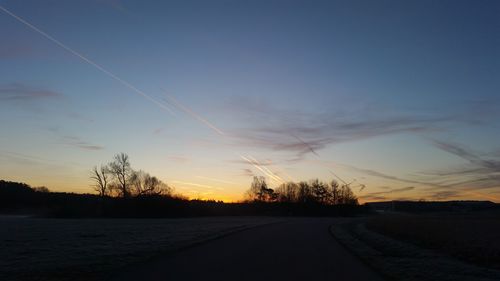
pixel 265 168
pixel 306 144
pixel 313 151
pixel 337 177
pixel 217 180
pixel 281 170
pixel 253 164
pixel 268 173
pixel 193 114
pixel 87 60
pixel 196 184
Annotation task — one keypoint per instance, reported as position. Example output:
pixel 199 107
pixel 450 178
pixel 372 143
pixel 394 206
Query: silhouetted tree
pixel 144 184
pixel 121 170
pixel 287 192
pixel 41 189
pixel 347 197
pixel 101 176
pixel 314 191
pixel 319 191
pixel 304 193
pixel 334 192
pixel 260 192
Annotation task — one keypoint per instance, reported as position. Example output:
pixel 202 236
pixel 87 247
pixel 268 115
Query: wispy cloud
pixel 266 171
pixel 245 162
pixel 247 172
pixel 79 117
pixel 12 50
pixel 22 92
pixel 193 184
pixel 179 159
pixel 391 177
pixel 216 180
pixel 382 195
pixel 77 142
pixel 373 197
pixel 447 194
pixel 479 172
pixel 25 159
pixel 301 133
pixel 158 131
pixel 392 191
pixel 492 165
pixel 374 173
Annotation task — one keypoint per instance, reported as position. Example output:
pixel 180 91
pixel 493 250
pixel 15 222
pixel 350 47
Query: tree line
pixel 312 192
pixel 122 191
pixel 118 179
pixel 20 198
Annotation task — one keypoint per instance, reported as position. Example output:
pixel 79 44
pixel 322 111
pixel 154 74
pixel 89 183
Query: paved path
pixel 299 249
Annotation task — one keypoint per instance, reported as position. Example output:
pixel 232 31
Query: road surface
pixel 298 249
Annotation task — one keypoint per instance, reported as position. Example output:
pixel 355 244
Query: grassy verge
pixel 402 260
pixel 470 238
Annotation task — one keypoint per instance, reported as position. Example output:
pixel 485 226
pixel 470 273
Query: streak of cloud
pixel 87 60
pixel 28 158
pixel 263 169
pixel 447 194
pixel 216 180
pixel 77 142
pixel 196 184
pixel 31 160
pixel 274 126
pixel 479 173
pixel 278 178
pixel 14 50
pixel 306 144
pixel 373 197
pixel 247 172
pixel 22 92
pixel 389 177
pixel 462 152
pixel 381 195
pixel 179 159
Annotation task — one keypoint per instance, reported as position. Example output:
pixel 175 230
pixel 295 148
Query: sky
pixel 401 99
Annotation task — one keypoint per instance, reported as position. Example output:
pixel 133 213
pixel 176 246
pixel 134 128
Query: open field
pixel 426 247
pixel 88 249
pixel 472 238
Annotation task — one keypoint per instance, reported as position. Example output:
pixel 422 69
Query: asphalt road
pixel 300 249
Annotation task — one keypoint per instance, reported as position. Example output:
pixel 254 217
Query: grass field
pixel 474 237
pixel 445 247
pixel 88 249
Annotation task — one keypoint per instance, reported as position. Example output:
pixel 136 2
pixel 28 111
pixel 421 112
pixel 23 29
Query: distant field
pixel 473 237
pixel 88 249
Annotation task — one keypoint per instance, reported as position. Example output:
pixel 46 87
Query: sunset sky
pixel 401 98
